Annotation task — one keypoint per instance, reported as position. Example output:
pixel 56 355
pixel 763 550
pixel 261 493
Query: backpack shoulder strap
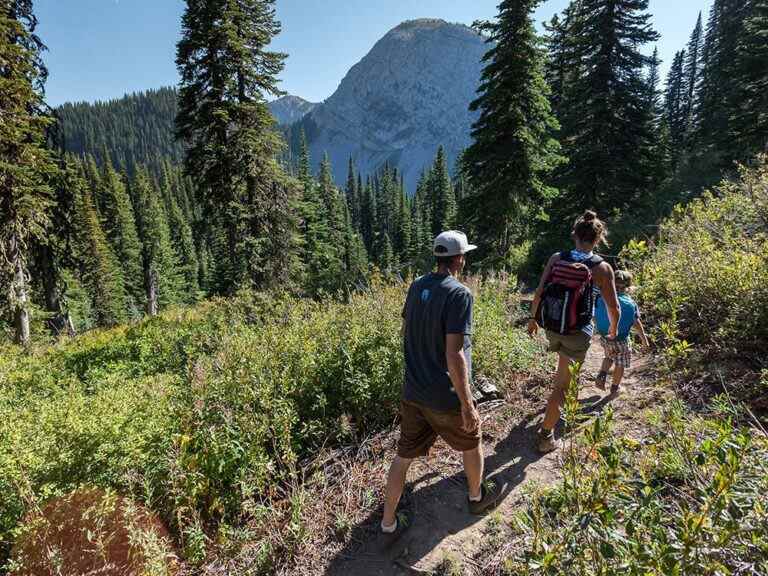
pixel 593 261
pixel 565 256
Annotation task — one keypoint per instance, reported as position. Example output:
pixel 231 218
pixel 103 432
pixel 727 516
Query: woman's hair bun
pixel 589 216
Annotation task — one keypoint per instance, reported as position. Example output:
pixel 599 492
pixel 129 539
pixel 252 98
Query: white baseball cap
pixel 452 243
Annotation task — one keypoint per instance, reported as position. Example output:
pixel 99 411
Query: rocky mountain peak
pixel 406 97
pixel 290 109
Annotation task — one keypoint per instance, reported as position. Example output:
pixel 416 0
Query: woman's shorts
pixel 573 346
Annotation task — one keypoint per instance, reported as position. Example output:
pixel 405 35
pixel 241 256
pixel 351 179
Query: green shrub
pixel 690 500
pixel 706 281
pixel 203 413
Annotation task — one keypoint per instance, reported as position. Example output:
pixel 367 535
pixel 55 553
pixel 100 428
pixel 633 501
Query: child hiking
pixel 564 306
pixel 618 352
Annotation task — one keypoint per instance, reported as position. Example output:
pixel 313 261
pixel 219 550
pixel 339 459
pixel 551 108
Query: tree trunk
pixel 20 300
pixel 151 292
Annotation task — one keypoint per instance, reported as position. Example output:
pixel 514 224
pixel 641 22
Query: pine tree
pixel 513 152
pixel 713 147
pixel 674 105
pixel 605 126
pixel 181 237
pixel 352 195
pixel 162 279
pixel 232 146
pixel 100 269
pixel 26 166
pixel 692 74
pixel 442 195
pixel 655 150
pixel 120 227
pixel 750 121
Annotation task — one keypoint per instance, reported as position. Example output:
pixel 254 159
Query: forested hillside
pixel 134 130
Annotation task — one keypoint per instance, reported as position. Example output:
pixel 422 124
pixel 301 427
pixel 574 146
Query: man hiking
pixel 564 305
pixel 436 398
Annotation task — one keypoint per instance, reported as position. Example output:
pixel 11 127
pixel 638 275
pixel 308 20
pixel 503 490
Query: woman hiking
pixel 564 305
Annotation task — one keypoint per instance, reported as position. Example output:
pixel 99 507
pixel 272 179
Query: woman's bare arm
pixel 532 325
pixel 605 282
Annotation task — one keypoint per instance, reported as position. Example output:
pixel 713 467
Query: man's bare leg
pixel 473 468
pixel 398 473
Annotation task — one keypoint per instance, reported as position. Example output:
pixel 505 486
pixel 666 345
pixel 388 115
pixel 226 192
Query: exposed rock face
pixel 406 97
pixel 290 109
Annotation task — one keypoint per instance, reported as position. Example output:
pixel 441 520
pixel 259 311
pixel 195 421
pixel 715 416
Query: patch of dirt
pixel 93 532
pixel 443 533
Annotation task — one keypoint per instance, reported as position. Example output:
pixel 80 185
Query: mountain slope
pixel 290 109
pixel 406 97
pixel 139 128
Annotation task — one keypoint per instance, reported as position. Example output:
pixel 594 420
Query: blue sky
pixel 102 49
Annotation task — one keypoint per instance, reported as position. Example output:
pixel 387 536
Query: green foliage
pixel 162 275
pixel 707 278
pixel 121 230
pixel 231 143
pixel 98 267
pixel 689 501
pixel 203 413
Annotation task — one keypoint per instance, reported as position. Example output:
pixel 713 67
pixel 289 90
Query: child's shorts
pixel 619 351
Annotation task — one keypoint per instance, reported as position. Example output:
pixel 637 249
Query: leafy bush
pixel 707 279
pixel 203 413
pixel 690 500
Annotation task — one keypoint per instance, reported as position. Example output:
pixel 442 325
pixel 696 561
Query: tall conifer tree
pixel 120 226
pixel 692 73
pixel 162 279
pixel 674 104
pixel 750 120
pixel 513 152
pixel 226 70
pixel 606 126
pixel 26 166
pixel 100 270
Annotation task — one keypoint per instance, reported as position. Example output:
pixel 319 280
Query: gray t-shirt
pixel 436 305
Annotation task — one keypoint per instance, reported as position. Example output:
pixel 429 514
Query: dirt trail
pixel 442 527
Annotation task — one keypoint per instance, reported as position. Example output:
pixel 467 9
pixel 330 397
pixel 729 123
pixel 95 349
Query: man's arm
pixel 532 325
pixel 459 373
pixel 605 282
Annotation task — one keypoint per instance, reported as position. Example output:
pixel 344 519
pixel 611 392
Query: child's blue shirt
pixel 629 315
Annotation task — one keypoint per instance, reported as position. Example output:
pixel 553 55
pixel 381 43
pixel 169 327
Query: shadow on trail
pixel 439 510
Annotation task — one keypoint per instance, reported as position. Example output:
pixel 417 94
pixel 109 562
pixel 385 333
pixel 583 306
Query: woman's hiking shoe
pixel 491 492
pixel 615 389
pixel 600 380
pixel 546 441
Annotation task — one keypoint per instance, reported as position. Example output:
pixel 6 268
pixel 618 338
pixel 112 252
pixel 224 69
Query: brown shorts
pixel 420 427
pixel 573 346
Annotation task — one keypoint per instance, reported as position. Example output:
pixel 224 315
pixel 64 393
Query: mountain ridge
pixel 406 97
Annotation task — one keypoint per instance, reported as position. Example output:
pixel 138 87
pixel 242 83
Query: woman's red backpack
pixel 568 301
